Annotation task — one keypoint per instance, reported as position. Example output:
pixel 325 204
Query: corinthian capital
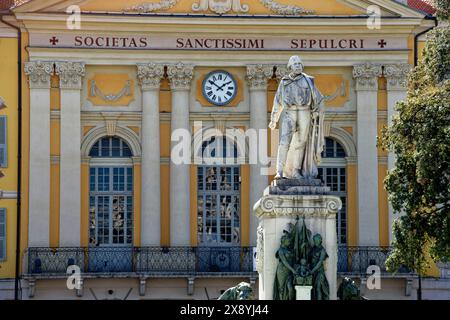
pixel 70 74
pixel 39 73
pixel 366 75
pixel 397 75
pixel 257 76
pixel 150 75
pixel 281 71
pixel 180 76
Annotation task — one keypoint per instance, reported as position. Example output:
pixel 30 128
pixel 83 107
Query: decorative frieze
pixel 258 75
pixel 150 75
pixel 366 75
pixel 283 9
pixel 39 73
pixel 397 75
pixel 220 6
pixel 153 6
pixel 285 205
pixel 70 74
pixel 180 76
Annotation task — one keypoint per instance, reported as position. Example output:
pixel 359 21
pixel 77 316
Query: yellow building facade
pixel 112 91
pixel 9 118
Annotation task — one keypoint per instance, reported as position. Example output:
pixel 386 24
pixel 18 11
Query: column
pixel 180 76
pixel 150 75
pixel 397 81
pixel 70 79
pixel 257 77
pixel 39 177
pixel 366 99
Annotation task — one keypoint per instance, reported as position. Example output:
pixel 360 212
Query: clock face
pixel 219 87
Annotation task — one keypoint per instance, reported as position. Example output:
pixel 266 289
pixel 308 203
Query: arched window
pixel 111 193
pixel 218 195
pixel 110 147
pixel 333 173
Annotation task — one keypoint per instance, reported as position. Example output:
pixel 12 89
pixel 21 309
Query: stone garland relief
pixel 301 258
pixel 221 7
pixel 150 7
pixel 110 89
pixel 110 97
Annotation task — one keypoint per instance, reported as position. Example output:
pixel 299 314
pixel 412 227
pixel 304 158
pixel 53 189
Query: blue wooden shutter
pixel 3 150
pixel 2 234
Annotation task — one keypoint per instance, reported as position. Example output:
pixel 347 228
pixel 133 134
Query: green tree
pixel 419 136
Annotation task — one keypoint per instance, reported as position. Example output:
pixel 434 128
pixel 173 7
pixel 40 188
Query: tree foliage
pixel 419 184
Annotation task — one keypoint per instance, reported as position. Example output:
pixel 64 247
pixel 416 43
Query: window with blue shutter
pixel 2 234
pixel 3 150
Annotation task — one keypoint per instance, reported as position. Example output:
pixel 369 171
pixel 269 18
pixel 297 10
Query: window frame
pixel 217 193
pixel 4 146
pixel 4 238
pixel 337 162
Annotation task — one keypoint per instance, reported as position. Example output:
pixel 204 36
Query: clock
pixel 219 87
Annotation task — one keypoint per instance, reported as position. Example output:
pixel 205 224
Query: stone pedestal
pixel 282 202
pixel 303 292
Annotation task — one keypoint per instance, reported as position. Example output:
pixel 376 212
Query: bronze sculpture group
pixel 300 263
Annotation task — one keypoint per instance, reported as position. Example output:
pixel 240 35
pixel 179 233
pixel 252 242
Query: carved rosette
pixel 397 75
pixel 180 76
pixel 260 249
pixel 39 73
pixel 366 75
pixel 258 75
pixel 150 75
pixel 70 74
pixel 315 206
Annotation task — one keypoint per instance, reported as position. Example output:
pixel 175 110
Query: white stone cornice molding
pixel 39 73
pixel 180 76
pixel 281 71
pixel 150 75
pixel 70 74
pixel 366 76
pixel 397 75
pixel 258 75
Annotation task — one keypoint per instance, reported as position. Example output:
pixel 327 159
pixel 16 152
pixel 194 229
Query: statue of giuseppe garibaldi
pixel 298 105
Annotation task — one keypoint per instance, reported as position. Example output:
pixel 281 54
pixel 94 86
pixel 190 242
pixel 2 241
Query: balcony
pixel 142 261
pixel 182 261
pixel 355 261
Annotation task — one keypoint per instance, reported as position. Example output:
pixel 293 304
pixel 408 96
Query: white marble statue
pixel 298 105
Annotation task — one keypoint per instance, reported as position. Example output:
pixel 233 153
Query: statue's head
pixel 348 290
pixel 317 239
pixel 244 291
pixel 303 262
pixel 295 65
pixel 286 240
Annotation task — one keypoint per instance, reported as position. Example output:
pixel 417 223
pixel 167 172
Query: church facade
pixel 130 107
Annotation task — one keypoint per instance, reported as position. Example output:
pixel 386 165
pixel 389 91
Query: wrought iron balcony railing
pixel 357 260
pixel 142 260
pixel 183 260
